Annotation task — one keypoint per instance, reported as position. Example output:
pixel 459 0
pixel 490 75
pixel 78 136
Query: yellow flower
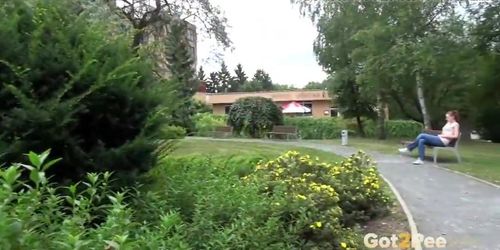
pixel 301 197
pixel 316 224
pixel 343 245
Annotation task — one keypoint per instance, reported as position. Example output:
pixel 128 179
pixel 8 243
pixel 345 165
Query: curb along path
pixel 461 209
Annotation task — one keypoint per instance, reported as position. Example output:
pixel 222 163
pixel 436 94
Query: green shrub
pixel 403 128
pixel 236 202
pixel 317 128
pixel 330 128
pixel 172 132
pixel 395 128
pixel 290 202
pixel 68 85
pixel 86 215
pixel 221 212
pixel 206 123
pixel 253 116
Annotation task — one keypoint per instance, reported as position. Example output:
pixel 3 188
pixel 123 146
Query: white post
pixel 344 136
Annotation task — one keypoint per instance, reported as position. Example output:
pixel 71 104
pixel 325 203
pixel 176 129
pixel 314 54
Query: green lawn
pixel 206 147
pixel 480 159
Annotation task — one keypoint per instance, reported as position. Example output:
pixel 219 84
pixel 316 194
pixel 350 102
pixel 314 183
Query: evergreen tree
pixel 70 87
pixel 224 79
pixel 263 79
pixel 181 66
pixel 201 74
pixel 180 60
pixel 213 83
pixel 240 79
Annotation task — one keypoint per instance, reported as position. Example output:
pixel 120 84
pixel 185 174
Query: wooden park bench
pixel 453 146
pixel 285 132
pixel 223 131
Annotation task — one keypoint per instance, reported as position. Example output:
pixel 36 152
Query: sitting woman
pixel 450 133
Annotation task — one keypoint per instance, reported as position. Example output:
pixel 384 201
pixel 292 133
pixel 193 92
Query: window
pixel 226 109
pixel 334 112
pixel 308 105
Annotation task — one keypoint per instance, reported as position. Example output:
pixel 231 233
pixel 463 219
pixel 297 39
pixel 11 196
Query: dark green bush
pixel 488 122
pixel 67 84
pixel 253 116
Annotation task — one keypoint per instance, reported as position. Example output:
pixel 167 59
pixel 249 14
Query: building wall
pixel 219 109
pixel 319 108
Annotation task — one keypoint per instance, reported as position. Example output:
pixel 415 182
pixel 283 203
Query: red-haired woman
pixel 449 134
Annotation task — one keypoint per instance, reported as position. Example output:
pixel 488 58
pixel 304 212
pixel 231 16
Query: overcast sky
pixel 269 35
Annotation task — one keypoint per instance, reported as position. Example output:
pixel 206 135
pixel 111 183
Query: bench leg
pixel 435 153
pixel 459 159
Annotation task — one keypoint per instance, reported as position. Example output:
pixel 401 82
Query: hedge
pixel 330 128
pixel 320 128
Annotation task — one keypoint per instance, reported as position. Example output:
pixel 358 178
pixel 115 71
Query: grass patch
pixel 229 148
pixel 479 159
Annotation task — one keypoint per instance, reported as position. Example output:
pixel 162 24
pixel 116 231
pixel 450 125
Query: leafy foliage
pixel 39 215
pixel 416 58
pixel 330 128
pixel 243 201
pixel 207 122
pixel 289 202
pixel 146 14
pixel 321 128
pixel 254 116
pixel 68 86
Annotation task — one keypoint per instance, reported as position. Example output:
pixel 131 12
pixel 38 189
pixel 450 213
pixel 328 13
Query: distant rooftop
pixel 277 96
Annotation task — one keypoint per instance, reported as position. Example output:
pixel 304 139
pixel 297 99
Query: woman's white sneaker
pixel 403 150
pixel 418 162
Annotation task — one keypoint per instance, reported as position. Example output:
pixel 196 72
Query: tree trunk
pixel 421 101
pixel 361 131
pixel 138 38
pixel 402 107
pixel 380 117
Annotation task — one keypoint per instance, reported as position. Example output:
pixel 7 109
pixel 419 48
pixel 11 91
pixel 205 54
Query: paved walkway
pixel 463 210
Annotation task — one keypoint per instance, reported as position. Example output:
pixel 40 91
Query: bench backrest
pixel 226 129
pixel 454 143
pixel 285 129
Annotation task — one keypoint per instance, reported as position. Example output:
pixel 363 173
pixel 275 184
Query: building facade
pixel 318 101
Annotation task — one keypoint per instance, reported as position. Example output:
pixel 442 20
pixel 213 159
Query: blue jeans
pixel 422 140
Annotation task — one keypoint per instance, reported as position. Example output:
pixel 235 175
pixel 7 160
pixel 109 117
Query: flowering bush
pixel 193 202
pixel 323 200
